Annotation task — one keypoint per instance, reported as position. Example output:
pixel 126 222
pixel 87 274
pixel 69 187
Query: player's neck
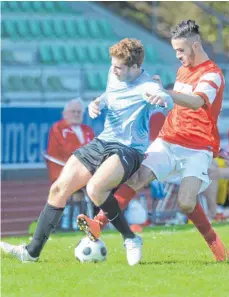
pixel 135 75
pixel 200 59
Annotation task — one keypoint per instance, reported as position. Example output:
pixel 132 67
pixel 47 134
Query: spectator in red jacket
pixel 65 137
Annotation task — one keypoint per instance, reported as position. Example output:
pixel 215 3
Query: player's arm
pixel 191 101
pixel 157 96
pixel 204 93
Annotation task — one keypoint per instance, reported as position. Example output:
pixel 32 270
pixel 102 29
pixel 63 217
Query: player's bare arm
pixel 190 101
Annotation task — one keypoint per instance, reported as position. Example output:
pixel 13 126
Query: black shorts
pixel 97 151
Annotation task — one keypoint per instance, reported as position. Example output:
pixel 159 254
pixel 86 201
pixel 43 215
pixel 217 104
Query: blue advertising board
pixel 24 134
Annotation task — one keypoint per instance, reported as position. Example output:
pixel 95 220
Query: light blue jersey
pixel 128 113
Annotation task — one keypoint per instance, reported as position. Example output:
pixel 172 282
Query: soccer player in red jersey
pixel 189 138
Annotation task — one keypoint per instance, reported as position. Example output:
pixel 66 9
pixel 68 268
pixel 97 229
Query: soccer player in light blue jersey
pixel 111 158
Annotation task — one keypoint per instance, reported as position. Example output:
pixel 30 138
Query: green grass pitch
pixel 176 262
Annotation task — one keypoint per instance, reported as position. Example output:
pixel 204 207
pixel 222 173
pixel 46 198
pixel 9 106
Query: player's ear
pixel 196 45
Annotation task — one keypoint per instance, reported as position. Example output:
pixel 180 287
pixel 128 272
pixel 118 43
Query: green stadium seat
pixel 54 84
pixel 81 54
pixel 47 29
pixel 59 29
pixel 49 6
pixel 106 29
pixel 104 54
pixel 14 83
pixel 45 54
pixel 70 28
pixel 102 78
pixel 69 54
pixel 25 6
pixel 82 30
pixel 93 54
pixel 4 6
pixel 9 29
pixel 57 54
pixel 92 81
pixel 7 56
pixel 13 6
pixel 31 83
pixel 38 6
pixel 94 29
pixel 34 29
pixel 151 55
pixel 62 7
pixel 22 28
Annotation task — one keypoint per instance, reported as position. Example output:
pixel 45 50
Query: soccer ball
pixel 90 251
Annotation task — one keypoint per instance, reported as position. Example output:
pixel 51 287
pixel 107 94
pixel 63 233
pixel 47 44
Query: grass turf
pixel 176 262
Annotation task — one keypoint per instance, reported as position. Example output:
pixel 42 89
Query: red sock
pixel 201 222
pixel 123 195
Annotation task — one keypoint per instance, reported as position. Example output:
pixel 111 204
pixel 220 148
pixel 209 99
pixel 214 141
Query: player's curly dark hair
pixel 130 50
pixel 185 29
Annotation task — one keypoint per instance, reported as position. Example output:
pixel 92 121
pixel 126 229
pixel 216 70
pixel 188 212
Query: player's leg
pixel 211 195
pixel 194 181
pixel 73 177
pixel 158 160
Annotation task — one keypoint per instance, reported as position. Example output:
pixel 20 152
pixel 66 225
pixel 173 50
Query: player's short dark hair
pixel 185 29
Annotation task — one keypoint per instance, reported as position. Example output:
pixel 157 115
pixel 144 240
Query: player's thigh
pixel 73 177
pixel 197 166
pixel 140 178
pixel 159 160
pixel 107 177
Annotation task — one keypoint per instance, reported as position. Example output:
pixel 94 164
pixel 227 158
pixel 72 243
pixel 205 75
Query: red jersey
pixel 63 141
pixel 196 129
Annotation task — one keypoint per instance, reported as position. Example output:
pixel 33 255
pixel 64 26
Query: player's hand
pixel 94 109
pixel 157 79
pixel 155 100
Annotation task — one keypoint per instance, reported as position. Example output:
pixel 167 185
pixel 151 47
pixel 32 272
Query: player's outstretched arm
pixel 190 101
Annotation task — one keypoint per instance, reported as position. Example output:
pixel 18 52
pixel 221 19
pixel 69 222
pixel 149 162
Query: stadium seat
pixel 54 84
pixel 47 29
pixel 14 84
pixel 22 28
pixel 7 56
pixel 94 29
pixel 25 6
pixel 45 54
pixel 102 78
pixel 106 29
pixel 70 27
pixel 104 54
pixel 12 6
pixel 93 54
pixel 151 55
pixel 34 29
pixel 31 83
pixel 57 54
pixel 92 81
pixel 81 54
pixel 69 54
pixel 59 29
pixel 82 30
pixel 9 29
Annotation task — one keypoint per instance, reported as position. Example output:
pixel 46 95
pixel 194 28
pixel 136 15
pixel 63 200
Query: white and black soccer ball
pixel 90 251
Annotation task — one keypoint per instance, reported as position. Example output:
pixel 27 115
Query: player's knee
pixel 57 192
pixel 94 192
pixel 186 204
